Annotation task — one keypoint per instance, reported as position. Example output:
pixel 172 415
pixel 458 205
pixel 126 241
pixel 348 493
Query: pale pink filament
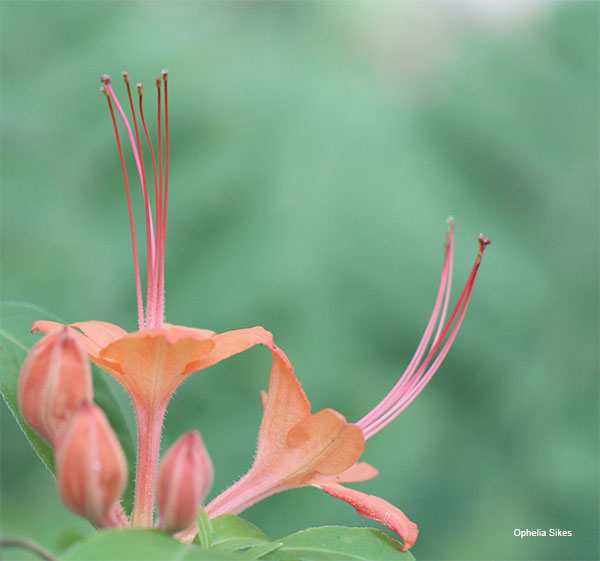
pixel 443 293
pixel 155 244
pixel 416 378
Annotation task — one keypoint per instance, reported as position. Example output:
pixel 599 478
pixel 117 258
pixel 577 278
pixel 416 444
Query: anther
pixel 165 74
pixel 126 76
pixel 105 79
pixel 483 243
pixel 140 89
pixel 158 82
pixel 104 90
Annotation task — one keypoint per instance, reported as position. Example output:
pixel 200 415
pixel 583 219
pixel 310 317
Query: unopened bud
pixel 90 466
pixel 55 380
pixel 184 478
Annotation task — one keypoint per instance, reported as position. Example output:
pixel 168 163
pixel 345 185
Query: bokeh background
pixel 317 150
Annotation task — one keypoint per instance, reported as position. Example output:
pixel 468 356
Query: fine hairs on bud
pixel 56 379
pixel 91 468
pixel 184 478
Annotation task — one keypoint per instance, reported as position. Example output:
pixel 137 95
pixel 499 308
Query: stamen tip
pixel 165 74
pixel 105 79
pixel 104 90
pixel 483 243
pixel 484 240
pixel 158 81
pixel 126 76
pixel 140 89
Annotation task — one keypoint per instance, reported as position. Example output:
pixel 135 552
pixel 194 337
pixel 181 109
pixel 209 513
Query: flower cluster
pixel 296 448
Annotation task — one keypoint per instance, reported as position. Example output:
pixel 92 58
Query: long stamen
pixel 136 262
pixel 417 381
pixel 163 237
pixel 150 243
pixel 443 292
pixel 159 203
pixel 151 273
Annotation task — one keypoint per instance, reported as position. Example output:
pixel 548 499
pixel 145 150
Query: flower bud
pixel 90 465
pixel 184 478
pixel 55 380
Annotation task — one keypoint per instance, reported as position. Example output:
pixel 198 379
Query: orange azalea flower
pixel 150 363
pixel 297 448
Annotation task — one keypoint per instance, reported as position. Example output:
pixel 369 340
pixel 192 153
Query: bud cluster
pixel 56 399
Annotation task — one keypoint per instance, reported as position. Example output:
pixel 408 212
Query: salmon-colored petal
pixel 329 444
pixel 295 448
pixel 153 361
pixel 43 326
pixel 231 343
pixel 286 405
pixel 360 471
pixel 93 335
pixel 192 332
pixel 376 509
pixel 101 333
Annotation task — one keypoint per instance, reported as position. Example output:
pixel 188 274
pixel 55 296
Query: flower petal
pixel 295 448
pixel 326 443
pixel 360 471
pixel 377 509
pixel 93 335
pixel 152 362
pixel 101 333
pixel 231 343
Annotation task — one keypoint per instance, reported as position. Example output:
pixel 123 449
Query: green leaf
pixel 140 545
pixel 229 526
pixel 15 341
pixel 205 529
pixel 258 551
pixel 338 543
pixel 231 533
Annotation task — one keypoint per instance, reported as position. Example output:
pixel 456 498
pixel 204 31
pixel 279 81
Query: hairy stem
pixel 150 420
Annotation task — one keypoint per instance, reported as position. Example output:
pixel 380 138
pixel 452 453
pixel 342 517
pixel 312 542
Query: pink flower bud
pixel 90 465
pixel 55 380
pixel 184 478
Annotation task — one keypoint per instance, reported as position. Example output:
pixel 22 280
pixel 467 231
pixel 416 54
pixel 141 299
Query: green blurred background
pixel 317 150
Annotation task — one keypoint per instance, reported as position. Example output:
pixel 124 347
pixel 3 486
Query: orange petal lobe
pixel 93 335
pixel 376 509
pixel 101 333
pixel 153 361
pixel 360 471
pixel 231 343
pixel 332 445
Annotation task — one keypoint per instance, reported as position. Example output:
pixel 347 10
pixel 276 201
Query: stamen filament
pixel 150 243
pixel 151 305
pixel 163 238
pixel 445 284
pixel 159 203
pixel 404 393
pixel 136 262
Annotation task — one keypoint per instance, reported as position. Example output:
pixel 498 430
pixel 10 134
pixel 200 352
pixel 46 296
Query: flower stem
pixel 150 420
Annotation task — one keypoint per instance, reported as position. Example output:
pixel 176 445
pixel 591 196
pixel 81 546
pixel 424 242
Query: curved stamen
pixel 150 243
pixel 136 262
pixel 163 237
pixel 159 206
pixel 443 292
pixel 412 386
pixel 151 306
